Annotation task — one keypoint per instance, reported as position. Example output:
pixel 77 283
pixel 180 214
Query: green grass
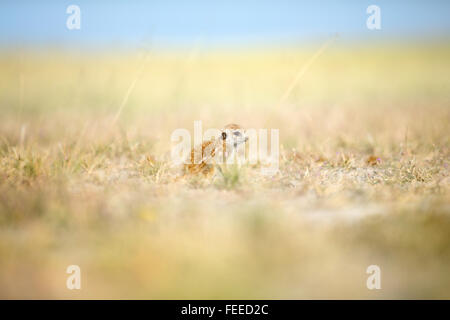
pixel 363 179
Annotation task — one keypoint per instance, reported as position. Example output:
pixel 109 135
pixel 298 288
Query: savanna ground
pixel 363 179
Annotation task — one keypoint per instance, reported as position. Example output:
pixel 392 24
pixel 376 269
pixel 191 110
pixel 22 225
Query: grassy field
pixel 363 179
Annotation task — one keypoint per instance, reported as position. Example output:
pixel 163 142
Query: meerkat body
pixel 215 151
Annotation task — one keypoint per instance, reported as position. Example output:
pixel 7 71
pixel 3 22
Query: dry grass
pixel 363 179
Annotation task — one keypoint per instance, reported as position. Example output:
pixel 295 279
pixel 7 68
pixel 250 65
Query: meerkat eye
pixel 224 135
pixel 237 133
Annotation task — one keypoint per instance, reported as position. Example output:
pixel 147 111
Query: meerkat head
pixel 233 135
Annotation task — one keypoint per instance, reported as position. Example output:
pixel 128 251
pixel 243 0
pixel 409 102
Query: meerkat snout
pixel 234 135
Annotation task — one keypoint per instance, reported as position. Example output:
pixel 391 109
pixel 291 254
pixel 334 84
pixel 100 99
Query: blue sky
pixel 137 23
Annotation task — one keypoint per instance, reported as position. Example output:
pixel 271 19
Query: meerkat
pixel 220 148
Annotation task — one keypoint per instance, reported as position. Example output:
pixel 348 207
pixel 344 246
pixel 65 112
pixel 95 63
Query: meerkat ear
pixel 224 135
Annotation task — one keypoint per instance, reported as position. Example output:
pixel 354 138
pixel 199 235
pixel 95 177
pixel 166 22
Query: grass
pixel 363 177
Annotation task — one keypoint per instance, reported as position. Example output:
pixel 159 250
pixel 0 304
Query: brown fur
pixel 208 152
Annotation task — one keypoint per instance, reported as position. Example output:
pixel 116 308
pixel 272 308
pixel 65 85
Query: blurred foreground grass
pixel 363 179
